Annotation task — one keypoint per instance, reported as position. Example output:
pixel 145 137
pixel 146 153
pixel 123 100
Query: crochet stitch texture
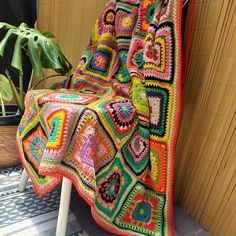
pixel 111 127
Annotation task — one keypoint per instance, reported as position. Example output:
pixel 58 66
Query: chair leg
pixel 64 207
pixel 23 181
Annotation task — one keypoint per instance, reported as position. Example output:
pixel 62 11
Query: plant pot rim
pixel 10 120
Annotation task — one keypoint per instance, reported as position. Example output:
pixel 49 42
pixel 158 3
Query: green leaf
pixel 40 48
pixel 16 96
pixel 4 41
pixel 50 53
pixel 35 59
pixel 48 34
pixel 5 88
pixel 17 55
pixel 5 25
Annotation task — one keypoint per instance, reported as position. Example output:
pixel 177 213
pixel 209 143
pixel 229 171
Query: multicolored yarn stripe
pixel 111 128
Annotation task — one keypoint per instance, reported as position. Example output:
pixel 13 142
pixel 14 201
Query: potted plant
pixel 43 52
pixel 8 124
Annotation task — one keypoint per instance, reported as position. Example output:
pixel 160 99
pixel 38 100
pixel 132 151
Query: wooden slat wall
pixel 71 21
pixel 205 160
pixel 206 150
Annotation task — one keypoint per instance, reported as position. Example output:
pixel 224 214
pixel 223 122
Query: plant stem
pixel 44 78
pixel 31 80
pixel 3 106
pixel 22 102
pixel 15 93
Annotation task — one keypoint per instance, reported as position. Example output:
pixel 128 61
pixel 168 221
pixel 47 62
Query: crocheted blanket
pixel 111 127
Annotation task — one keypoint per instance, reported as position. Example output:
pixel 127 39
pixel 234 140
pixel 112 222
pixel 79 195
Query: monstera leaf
pixel 5 88
pixel 40 47
pixel 5 92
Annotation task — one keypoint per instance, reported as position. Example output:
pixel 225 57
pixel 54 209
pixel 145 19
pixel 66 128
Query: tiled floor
pixel 26 213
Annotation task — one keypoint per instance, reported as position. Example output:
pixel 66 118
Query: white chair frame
pixel 64 202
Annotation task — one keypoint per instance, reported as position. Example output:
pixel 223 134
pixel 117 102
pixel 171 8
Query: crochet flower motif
pixel 123 114
pixel 152 53
pixel 127 22
pixel 37 147
pixel 35 144
pixel 109 17
pixel 99 61
pixel 110 188
pixel 125 110
pixel 138 58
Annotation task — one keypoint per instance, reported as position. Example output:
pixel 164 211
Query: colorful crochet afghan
pixel 111 128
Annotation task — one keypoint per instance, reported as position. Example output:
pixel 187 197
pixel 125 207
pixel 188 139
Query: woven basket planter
pixel 8 128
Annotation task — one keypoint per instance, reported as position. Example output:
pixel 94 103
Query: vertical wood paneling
pixel 71 22
pixel 205 163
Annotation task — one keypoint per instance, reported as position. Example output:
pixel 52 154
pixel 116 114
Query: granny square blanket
pixel 111 127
